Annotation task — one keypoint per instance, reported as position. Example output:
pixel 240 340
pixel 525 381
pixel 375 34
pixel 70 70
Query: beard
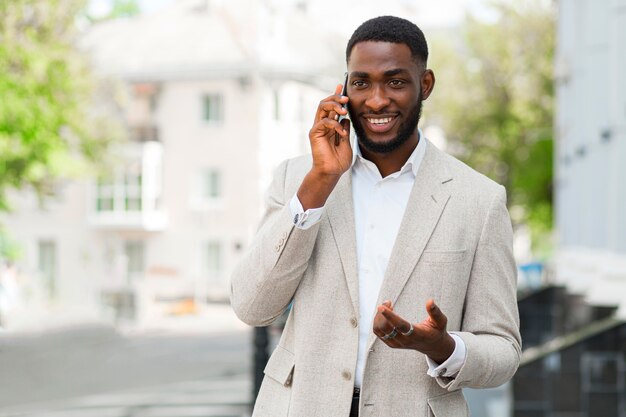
pixel 405 131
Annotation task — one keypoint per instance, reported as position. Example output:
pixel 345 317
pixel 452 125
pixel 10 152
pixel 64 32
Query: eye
pixel 359 84
pixel 396 83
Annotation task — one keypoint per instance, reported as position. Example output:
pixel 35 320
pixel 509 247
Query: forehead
pixel 375 56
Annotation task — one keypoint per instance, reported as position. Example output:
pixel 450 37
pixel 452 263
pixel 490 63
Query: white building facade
pixel 590 177
pixel 217 95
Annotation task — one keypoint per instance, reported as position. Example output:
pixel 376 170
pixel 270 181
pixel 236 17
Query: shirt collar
pixel 413 162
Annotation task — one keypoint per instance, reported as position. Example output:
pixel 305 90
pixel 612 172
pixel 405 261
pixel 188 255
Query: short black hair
pixel 391 29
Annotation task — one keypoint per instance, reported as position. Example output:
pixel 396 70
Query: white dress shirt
pixel 379 205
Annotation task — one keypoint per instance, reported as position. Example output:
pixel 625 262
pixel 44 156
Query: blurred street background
pixel 94 370
pixel 137 138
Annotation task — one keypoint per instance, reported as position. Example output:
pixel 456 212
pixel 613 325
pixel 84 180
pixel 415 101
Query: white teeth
pixel 382 121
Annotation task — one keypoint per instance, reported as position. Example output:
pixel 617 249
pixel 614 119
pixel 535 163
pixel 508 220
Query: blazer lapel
pixel 340 211
pixel 426 203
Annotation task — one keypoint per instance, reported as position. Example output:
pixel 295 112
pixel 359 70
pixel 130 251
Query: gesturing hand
pixel 429 337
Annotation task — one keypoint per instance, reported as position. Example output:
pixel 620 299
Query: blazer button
pixel 354 322
pixel 346 375
pixel 277 248
pixel 284 236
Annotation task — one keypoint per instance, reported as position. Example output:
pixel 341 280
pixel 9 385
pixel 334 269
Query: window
pixel 46 265
pixel 206 192
pixel 121 192
pixel 211 188
pixel 212 108
pixel 276 105
pixel 213 260
pixel 132 189
pixel 134 252
pixel 105 200
pixel 601 371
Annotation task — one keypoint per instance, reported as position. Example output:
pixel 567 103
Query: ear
pixel 428 83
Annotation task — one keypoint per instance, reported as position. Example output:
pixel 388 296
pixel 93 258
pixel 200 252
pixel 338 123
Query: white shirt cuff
pixel 452 365
pixel 304 219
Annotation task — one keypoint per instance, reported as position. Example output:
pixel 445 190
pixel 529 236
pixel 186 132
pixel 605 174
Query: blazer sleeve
pixel 490 325
pixel 265 280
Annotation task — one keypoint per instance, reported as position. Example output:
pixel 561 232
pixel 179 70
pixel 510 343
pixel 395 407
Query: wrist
pixel 443 350
pixel 323 178
pixel 315 189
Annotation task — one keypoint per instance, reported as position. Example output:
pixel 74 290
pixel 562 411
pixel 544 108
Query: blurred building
pixel 573 359
pixel 590 177
pixel 574 331
pixel 214 94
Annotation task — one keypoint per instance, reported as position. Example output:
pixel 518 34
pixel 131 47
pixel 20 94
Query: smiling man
pixel 396 257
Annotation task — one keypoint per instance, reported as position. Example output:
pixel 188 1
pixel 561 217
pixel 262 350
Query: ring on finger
pixel 408 333
pixel 391 335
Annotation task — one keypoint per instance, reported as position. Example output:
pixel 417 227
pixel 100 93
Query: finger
pixel 436 315
pixel 381 325
pixel 333 114
pixel 331 108
pixel 383 330
pixel 396 321
pixel 345 124
pixel 330 125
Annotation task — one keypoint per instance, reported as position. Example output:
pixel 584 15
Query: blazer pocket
pixel 280 366
pixel 448 256
pixel 451 404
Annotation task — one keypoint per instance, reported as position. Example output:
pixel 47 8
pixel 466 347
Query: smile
pixel 380 124
pixel 380 121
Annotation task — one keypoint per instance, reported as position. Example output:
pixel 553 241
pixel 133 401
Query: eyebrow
pixel 388 73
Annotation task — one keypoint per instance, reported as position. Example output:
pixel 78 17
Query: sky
pixel 441 13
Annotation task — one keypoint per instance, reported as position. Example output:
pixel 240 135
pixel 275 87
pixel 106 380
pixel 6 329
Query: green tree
pixel 124 8
pixel 119 8
pixel 47 128
pixel 495 99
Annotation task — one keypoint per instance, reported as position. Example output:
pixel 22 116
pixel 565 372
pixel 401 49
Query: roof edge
pixel 562 342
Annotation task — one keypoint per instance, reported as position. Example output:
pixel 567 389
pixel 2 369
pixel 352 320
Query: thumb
pixel 436 315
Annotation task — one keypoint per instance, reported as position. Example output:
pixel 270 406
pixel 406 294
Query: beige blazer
pixel 454 245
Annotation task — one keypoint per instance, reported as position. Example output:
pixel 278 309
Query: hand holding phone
pixel 330 150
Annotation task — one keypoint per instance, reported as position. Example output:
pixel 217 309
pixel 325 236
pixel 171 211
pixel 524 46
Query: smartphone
pixel 344 92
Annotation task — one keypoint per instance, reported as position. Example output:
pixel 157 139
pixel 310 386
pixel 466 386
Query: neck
pixel 388 163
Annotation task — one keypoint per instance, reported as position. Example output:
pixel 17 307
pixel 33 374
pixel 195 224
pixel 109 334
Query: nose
pixel 377 100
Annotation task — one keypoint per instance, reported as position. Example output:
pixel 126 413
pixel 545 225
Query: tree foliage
pixel 47 130
pixel 495 101
pixel 119 9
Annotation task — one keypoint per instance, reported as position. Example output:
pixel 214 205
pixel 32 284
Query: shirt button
pixel 346 375
pixel 354 322
pixel 371 226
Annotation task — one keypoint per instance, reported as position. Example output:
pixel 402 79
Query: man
pixel 397 257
